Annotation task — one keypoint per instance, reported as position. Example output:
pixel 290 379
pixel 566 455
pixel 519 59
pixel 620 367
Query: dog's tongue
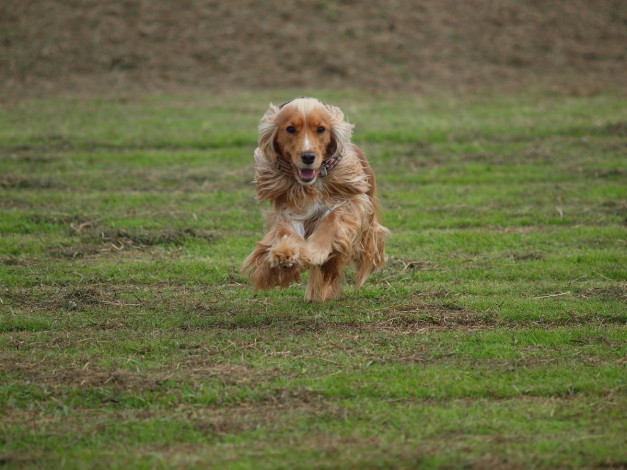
pixel 306 174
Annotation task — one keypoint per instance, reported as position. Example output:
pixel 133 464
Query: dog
pixel 324 210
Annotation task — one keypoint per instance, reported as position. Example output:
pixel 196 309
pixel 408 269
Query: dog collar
pixel 329 164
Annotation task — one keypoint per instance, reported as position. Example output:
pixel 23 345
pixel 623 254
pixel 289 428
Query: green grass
pixel 494 337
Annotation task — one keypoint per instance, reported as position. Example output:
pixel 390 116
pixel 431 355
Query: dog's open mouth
pixel 306 175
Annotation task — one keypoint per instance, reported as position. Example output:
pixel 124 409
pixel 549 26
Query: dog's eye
pixel 321 130
pixel 291 130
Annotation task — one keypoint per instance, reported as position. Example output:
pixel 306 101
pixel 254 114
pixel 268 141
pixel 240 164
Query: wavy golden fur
pixel 324 209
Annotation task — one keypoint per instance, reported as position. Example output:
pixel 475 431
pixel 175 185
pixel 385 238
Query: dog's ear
pixel 341 132
pixel 267 131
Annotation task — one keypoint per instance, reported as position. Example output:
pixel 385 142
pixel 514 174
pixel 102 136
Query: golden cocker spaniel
pixel 324 209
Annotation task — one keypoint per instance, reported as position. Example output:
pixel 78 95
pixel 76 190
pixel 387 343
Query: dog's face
pixel 305 139
pixel 304 133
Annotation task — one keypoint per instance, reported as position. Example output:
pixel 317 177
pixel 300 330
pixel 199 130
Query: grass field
pixel 494 337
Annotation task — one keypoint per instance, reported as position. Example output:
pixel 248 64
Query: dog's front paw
pixel 285 254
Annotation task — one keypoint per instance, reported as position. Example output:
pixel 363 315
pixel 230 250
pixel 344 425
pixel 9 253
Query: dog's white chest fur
pixel 313 213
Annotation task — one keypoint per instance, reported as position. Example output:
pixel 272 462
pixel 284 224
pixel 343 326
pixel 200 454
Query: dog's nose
pixel 308 157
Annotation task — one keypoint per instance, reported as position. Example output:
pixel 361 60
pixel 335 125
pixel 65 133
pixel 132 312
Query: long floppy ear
pixel 341 132
pixel 267 131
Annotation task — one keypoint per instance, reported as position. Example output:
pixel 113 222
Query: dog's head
pixel 301 134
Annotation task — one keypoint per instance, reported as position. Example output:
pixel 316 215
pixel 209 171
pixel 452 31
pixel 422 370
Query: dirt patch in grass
pixel 58 219
pixel 62 376
pixel 432 316
pixel 618 129
pixel 86 296
pixel 21 182
pixel 25 155
pixel 76 251
pixel 617 208
pixel 408 265
pixel 616 292
pixel 614 173
pixel 37 153
pixel 16 261
pixel 122 238
pixel 53 374
pixel 62 298
pixel 16 460
pixel 96 239
pixel 527 256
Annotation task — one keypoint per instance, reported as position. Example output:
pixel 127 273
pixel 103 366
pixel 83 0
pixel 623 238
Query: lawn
pixel 494 337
